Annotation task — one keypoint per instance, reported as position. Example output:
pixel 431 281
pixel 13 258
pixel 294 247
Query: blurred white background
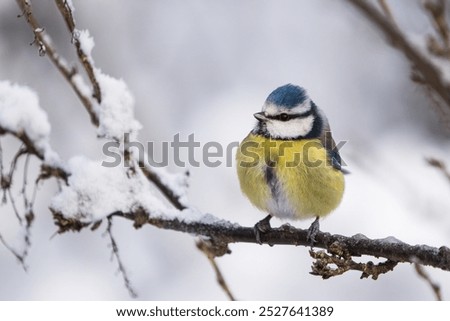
pixel 205 67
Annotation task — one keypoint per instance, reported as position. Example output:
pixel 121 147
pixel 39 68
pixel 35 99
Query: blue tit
pixel 288 165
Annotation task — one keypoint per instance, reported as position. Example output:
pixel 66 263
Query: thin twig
pixel 436 163
pixel 26 204
pixel 4 180
pixel 164 188
pixel 13 252
pixel 13 205
pixel 387 11
pixel 434 286
pixel 211 252
pixel 21 151
pixel 1 159
pixel 437 10
pixel 86 62
pixel 115 253
pixel 9 179
pixel 29 147
pixel 44 41
pixel 428 72
pixel 33 197
pixel 220 279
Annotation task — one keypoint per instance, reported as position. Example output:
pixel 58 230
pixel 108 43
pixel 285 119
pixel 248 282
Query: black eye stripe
pixel 286 117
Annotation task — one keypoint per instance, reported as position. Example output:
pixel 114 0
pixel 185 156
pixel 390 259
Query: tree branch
pixel 224 232
pixel 169 194
pixel 66 12
pixel 430 74
pixel 47 170
pixel 46 48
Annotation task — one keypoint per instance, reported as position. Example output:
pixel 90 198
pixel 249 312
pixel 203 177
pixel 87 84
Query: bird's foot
pixel 313 230
pixel 262 227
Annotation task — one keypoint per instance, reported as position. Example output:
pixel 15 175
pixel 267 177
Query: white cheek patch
pixel 290 129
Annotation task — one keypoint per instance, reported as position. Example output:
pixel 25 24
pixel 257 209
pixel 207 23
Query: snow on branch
pixel 21 116
pixel 94 191
pixel 83 43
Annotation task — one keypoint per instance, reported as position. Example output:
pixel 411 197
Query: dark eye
pixel 284 117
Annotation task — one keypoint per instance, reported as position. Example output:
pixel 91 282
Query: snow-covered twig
pixel 47 170
pixel 429 74
pixel 84 57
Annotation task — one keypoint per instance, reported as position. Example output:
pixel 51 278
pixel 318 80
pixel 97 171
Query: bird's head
pixel 288 113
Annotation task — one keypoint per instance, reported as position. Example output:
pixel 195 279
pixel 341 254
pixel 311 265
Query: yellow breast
pixel 288 179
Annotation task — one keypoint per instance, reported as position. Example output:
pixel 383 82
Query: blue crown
pixel 287 96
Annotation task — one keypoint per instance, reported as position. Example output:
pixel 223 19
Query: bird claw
pixel 313 230
pixel 262 227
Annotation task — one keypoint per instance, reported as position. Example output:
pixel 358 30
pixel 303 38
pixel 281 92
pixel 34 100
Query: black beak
pixel 260 116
